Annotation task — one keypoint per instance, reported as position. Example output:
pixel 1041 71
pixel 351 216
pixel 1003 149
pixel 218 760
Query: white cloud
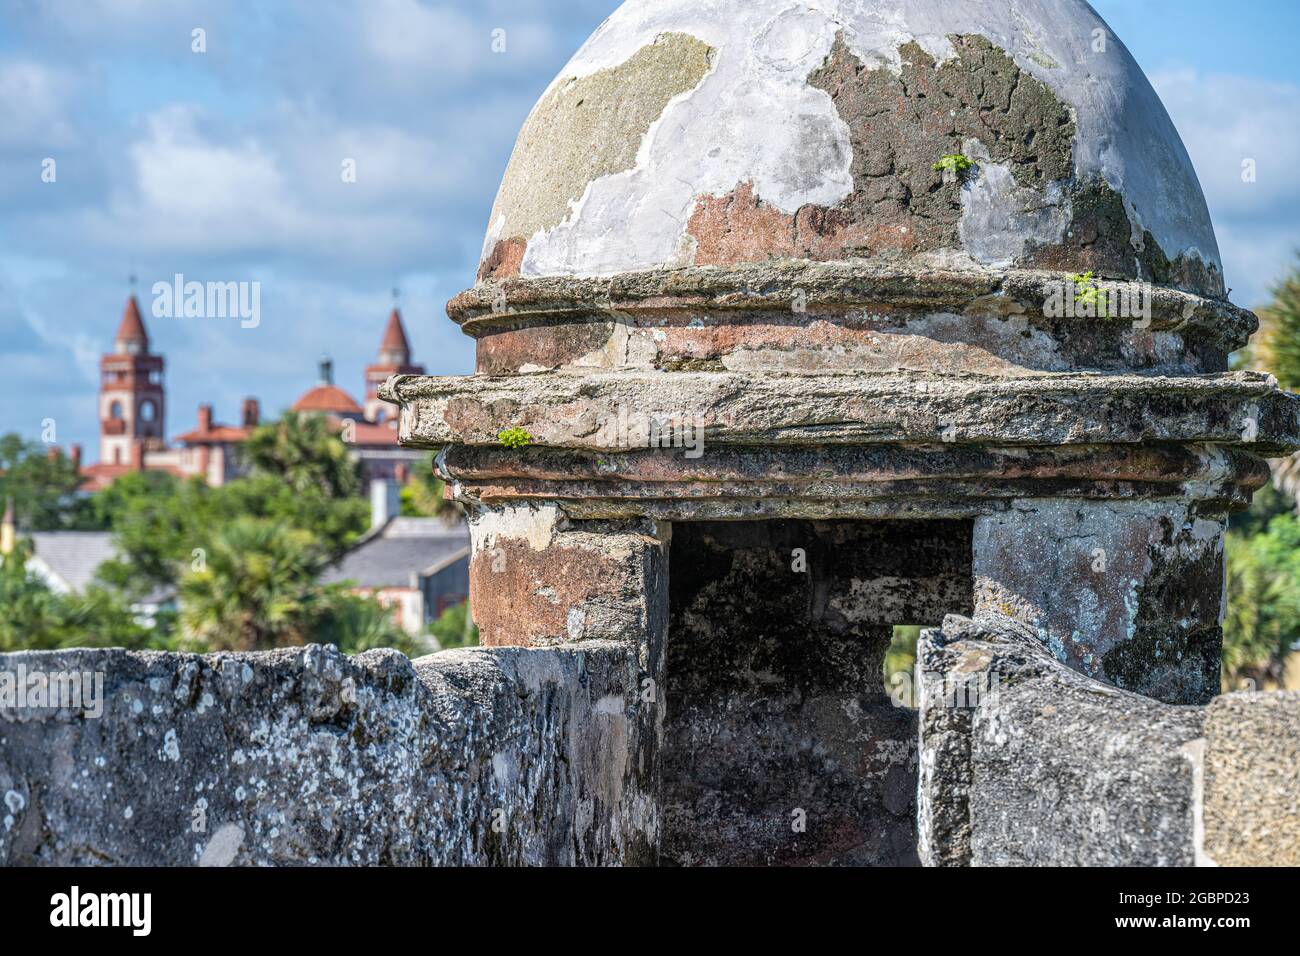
pixel 1224 121
pixel 33 101
pixel 210 186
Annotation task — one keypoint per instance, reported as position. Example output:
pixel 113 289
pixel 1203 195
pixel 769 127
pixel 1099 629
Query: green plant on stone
pixel 515 437
pixel 955 163
pixel 1087 292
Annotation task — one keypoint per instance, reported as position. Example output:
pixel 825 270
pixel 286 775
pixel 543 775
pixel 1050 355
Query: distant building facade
pixel 132 408
pixel 415 567
pixel 369 430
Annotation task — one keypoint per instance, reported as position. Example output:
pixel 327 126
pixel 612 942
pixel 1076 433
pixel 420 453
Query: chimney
pixel 205 418
pixel 326 371
pixel 8 530
pixel 385 501
pixel 76 457
pixel 252 413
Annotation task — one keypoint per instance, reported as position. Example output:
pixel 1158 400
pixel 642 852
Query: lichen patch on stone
pixel 581 130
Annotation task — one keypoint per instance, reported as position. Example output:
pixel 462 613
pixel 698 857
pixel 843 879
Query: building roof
pixel 327 398
pixel 72 556
pixel 100 475
pixel 67 560
pixel 132 327
pixel 724 134
pixel 218 434
pixel 400 550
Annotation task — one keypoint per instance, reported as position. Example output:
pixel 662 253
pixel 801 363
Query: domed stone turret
pixel 889 185
pixel 689 133
pixel 869 313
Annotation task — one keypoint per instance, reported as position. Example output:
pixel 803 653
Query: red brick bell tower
pixel 394 359
pixel 131 396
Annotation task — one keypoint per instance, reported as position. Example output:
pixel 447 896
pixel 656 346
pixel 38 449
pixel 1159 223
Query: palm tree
pixel 303 450
pixel 1279 338
pixel 1263 615
pixel 253 587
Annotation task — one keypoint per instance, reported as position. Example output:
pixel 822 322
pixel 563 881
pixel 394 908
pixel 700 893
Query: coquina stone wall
pixel 516 756
pixel 1025 762
pixel 305 756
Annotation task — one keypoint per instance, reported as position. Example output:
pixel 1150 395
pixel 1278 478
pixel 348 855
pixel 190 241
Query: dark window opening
pixel 782 745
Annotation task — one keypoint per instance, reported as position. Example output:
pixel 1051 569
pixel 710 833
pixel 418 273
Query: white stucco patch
pixel 531 523
pixel 999 217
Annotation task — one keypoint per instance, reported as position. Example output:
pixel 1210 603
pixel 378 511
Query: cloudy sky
pixel 226 165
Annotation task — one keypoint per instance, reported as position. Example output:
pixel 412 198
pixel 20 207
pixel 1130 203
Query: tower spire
pixel 131 338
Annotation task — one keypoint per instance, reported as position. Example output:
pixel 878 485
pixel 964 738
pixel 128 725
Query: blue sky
pixel 225 165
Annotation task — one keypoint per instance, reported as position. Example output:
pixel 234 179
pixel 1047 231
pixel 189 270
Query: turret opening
pixel 782 743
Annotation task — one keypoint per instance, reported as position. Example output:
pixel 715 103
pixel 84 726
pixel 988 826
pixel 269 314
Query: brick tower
pixel 132 403
pixel 394 359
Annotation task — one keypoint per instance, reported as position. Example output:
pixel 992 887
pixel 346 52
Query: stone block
pixel 1025 762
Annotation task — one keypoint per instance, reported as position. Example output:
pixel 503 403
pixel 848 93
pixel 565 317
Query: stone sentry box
pixel 739 309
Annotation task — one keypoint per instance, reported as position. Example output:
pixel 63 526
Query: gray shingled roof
pixel 404 547
pixel 74 556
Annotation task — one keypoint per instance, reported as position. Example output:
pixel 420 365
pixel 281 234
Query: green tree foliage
pixel 32 617
pixel 1278 342
pixel 253 587
pixel 425 496
pixel 455 627
pixel 1262 551
pixel 43 487
pixel 244 557
pixel 163 526
pixel 153 517
pixel 303 451
pixel 1262 622
pixel 355 624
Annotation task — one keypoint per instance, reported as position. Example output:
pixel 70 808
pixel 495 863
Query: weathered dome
pixel 727 132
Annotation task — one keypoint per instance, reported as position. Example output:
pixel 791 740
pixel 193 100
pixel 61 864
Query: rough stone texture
pixel 536 579
pixel 724 219
pixel 982 340
pixel 1046 768
pixel 899 126
pixel 583 129
pixel 871 481
pixel 307 757
pixel 780 745
pixel 609 411
pixel 1128 592
pixel 1252 779
pixel 805 290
